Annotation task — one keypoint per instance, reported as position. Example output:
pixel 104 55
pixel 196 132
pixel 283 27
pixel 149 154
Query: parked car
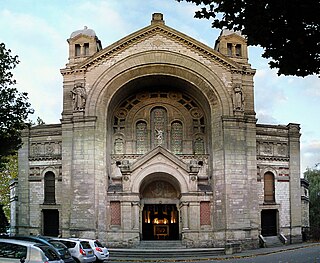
pixel 61 248
pixel 100 251
pixel 20 251
pixel 63 252
pixel 80 250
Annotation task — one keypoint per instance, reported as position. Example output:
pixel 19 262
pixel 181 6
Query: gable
pixel 161 37
pixel 158 154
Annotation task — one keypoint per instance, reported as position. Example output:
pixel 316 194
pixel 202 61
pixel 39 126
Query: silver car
pixel 100 251
pixel 19 251
pixel 79 250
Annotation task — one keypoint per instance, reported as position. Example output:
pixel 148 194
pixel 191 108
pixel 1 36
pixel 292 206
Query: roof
pixel 85 31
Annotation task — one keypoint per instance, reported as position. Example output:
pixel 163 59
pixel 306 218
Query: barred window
pixel 176 137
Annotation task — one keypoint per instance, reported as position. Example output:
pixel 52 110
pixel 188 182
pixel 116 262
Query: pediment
pixel 153 30
pixel 235 37
pixel 159 154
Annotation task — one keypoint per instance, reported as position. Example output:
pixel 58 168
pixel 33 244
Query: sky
pixel 37 31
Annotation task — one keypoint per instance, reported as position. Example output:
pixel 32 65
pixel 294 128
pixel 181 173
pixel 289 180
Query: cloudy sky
pixel 37 30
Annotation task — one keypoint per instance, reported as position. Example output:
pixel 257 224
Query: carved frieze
pixel 275 149
pixel 45 149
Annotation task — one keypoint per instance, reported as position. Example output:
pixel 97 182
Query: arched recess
pixel 168 173
pixel 160 196
pixel 157 63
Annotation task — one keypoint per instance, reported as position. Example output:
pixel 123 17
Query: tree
pixel 14 106
pixel 313 176
pixel 8 172
pixel 288 31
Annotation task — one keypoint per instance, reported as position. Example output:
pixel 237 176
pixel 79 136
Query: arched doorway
pixel 160 214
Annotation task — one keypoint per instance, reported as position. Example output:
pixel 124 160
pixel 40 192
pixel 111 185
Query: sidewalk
pixel 244 254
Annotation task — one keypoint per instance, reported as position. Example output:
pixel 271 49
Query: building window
pixel 176 137
pixel 49 188
pixel 205 213
pixel 159 126
pixel 238 50
pixel 86 49
pixel 118 146
pixel 269 189
pixel 77 50
pixel 142 137
pixel 115 210
pixel 229 49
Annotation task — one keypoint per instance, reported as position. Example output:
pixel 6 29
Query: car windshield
pixel 68 244
pixel 97 243
pixel 85 244
pixel 58 245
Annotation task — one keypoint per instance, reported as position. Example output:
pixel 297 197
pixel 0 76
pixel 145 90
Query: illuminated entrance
pixel 160 222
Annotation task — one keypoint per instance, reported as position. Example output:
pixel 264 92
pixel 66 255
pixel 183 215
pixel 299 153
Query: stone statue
pixel 159 136
pixel 79 97
pixel 238 98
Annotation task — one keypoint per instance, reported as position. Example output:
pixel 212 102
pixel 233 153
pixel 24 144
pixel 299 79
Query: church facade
pixel 158 140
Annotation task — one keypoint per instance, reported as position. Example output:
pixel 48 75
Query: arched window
pixel 49 188
pixel 176 137
pixel 142 137
pixel 118 146
pixel 199 145
pixel 269 189
pixel 159 127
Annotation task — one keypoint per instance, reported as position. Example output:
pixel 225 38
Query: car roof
pixel 17 241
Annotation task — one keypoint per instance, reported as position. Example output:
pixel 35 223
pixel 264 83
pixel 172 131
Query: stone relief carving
pixel 79 97
pixel 45 148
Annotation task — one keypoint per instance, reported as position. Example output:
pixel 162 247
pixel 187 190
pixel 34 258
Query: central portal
pixel 160 222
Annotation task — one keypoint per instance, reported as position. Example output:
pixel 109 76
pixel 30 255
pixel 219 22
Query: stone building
pixel 158 140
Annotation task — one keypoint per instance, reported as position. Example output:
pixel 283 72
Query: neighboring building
pixel 158 140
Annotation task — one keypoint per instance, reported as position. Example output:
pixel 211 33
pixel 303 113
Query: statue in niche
pixel 238 98
pixel 159 136
pixel 79 97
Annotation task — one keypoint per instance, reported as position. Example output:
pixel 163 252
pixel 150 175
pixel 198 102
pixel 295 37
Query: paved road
pixel 291 254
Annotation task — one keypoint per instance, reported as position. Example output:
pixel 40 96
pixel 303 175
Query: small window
pixel 229 49
pixel 77 50
pixel 238 50
pixel 86 49
pixel 115 209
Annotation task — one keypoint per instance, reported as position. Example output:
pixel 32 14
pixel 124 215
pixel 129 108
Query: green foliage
pixel 8 172
pixel 289 31
pixel 14 106
pixel 313 176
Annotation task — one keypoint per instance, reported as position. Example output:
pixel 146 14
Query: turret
pixel 82 44
pixel 233 45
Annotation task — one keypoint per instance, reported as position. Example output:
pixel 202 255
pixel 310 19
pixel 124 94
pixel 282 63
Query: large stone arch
pixel 157 63
pixel 165 172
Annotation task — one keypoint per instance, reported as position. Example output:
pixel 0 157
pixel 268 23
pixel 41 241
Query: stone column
pixel 184 215
pixel 136 215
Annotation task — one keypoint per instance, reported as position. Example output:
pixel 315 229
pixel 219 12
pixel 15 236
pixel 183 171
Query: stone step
pixel 161 244
pixel 273 241
pixel 161 251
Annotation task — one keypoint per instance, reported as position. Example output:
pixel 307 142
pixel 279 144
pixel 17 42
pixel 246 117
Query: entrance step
pixel 166 249
pixel 161 244
pixel 273 241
